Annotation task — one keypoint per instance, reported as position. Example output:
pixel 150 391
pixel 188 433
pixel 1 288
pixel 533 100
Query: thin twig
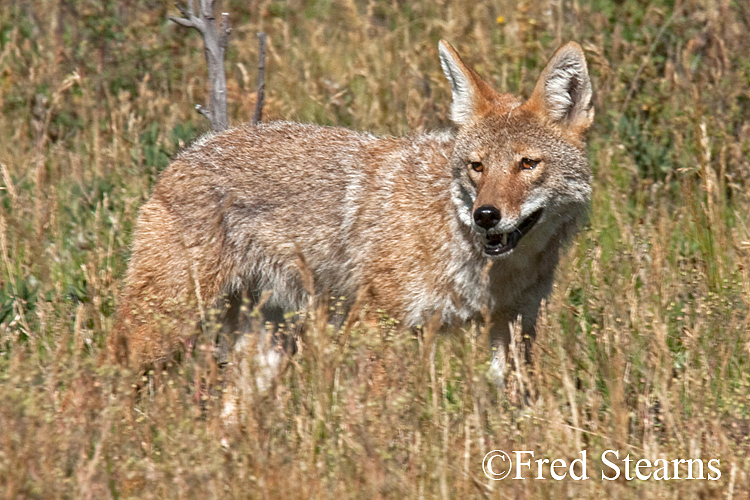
pixel 200 109
pixel 258 114
pixel 188 18
pixel 226 29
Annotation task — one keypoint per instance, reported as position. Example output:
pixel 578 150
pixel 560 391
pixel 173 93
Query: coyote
pixel 454 225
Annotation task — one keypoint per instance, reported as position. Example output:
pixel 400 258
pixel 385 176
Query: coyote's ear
pixel 470 93
pixel 563 91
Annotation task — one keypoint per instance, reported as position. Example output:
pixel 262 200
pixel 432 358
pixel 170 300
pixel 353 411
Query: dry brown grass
pixel 645 344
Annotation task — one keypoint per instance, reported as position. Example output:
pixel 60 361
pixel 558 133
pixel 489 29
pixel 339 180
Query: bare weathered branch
pixel 188 18
pixel 182 21
pixel 258 114
pixel 207 9
pixel 200 109
pixel 215 39
pixel 185 11
pixel 225 30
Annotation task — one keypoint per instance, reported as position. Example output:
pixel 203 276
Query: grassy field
pixel 644 346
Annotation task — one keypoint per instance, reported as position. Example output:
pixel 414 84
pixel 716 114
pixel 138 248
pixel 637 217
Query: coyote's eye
pixel 476 166
pixel 528 164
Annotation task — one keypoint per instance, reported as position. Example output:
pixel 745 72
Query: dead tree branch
pixel 258 114
pixel 215 39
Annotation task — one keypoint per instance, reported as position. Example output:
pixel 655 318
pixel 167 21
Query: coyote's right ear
pixel 563 91
pixel 471 95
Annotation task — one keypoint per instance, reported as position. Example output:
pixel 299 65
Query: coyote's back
pixel 443 223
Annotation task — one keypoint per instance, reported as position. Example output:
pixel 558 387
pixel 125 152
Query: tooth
pixel 505 239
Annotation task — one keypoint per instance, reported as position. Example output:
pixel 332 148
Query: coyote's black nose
pixel 486 216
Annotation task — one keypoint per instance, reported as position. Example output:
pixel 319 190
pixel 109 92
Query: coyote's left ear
pixel 563 91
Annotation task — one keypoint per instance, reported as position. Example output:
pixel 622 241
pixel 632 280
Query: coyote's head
pixel 520 168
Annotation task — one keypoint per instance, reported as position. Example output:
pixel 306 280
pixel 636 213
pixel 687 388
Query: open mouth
pixel 500 243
